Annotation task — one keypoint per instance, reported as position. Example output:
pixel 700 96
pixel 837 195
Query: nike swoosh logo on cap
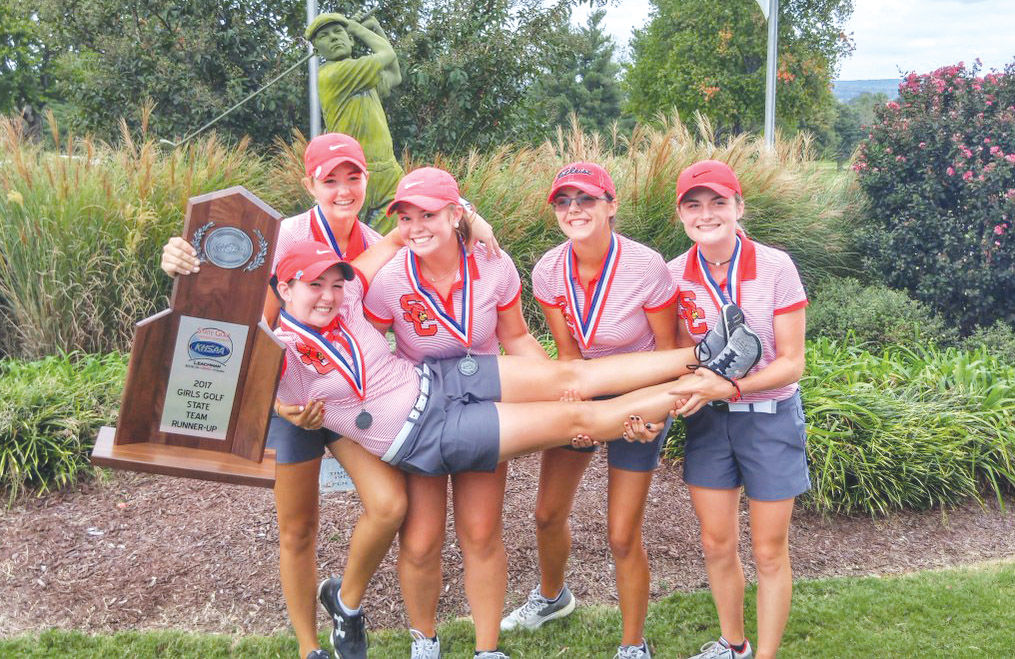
pixel 409 185
pixel 697 174
pixel 335 147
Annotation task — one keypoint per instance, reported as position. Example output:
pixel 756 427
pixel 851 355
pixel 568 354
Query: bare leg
pixel 626 512
pixel 381 488
pixel 419 550
pixel 770 542
pixel 717 512
pixel 559 475
pixel 529 427
pixel 523 379
pixel 479 504
pixel 296 507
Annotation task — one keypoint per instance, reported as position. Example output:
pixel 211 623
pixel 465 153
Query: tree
pixel 709 57
pixel 580 78
pixel 466 67
pixel 22 59
pixel 194 59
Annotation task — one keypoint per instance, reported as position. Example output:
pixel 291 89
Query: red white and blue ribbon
pixel 460 328
pixel 322 232
pixel 587 323
pixel 354 373
pixel 732 278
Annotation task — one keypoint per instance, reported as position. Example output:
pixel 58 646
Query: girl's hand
pixel 583 441
pixel 700 388
pixel 570 396
pixel 482 232
pixel 179 258
pixel 308 417
pixel 637 429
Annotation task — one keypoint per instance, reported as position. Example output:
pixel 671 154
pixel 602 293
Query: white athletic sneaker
pixel 491 654
pixel 538 610
pixel 633 652
pixel 424 647
pixel 721 650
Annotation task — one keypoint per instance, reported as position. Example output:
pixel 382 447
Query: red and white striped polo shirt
pixel 391 384
pixel 637 282
pixel 429 325
pixel 311 225
pixel 769 286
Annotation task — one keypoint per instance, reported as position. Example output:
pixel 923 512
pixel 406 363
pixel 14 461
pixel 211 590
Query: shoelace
pixel 630 652
pixel 422 647
pixel 533 605
pixel 713 649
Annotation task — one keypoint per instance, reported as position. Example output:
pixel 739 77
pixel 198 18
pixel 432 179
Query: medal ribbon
pixel 356 373
pixel 587 323
pixel 460 329
pixel 732 278
pixel 322 231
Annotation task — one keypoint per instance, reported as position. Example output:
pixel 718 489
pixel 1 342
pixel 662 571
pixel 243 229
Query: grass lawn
pixel 964 612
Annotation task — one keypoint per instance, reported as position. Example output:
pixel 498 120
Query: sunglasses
pixel 584 201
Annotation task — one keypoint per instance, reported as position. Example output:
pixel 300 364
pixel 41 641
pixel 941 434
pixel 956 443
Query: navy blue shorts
pixel 766 453
pixel 293 444
pixel 459 430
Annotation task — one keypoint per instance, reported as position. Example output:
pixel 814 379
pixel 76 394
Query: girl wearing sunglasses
pixel 602 294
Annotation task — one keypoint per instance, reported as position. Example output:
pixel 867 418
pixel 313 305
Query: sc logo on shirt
pixel 693 315
pixel 415 312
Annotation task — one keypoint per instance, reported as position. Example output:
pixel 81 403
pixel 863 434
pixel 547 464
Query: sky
pixel 892 35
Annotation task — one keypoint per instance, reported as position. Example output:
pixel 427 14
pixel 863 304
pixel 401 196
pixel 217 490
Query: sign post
pixel 203 374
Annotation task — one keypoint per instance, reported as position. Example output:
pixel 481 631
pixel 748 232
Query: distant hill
pixel 846 90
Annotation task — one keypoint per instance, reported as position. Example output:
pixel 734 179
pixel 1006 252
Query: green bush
pixel 875 316
pixel 50 412
pixel 937 172
pixel 909 428
pixel 997 340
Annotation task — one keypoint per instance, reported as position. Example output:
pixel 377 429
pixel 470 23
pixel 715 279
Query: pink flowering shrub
pixel 938 174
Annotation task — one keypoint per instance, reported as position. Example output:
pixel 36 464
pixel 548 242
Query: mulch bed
pixel 134 551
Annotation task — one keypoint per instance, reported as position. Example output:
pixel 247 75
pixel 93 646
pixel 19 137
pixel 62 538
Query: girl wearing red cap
pixel 336 177
pixel 444 301
pixel 602 294
pixel 456 414
pixel 754 440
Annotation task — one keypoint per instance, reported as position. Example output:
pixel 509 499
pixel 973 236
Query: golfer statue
pixel 351 89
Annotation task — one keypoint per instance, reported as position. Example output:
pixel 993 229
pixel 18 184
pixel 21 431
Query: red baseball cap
pixel 430 188
pixel 712 174
pixel 326 152
pixel 307 259
pixel 586 176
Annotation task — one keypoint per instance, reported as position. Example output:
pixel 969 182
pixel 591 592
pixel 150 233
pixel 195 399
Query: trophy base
pixel 181 461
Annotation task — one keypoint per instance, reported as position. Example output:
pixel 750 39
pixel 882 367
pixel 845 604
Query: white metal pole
pixel 773 51
pixel 315 103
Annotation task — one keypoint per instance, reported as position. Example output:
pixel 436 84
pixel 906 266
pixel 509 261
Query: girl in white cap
pixel 602 294
pixel 755 438
pixel 445 301
pixel 336 178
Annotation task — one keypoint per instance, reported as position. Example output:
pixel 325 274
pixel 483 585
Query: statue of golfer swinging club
pixel 351 89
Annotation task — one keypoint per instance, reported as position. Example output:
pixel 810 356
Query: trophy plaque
pixel 203 374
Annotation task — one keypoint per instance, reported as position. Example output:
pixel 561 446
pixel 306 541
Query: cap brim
pixel 315 269
pixel 588 188
pixel 427 203
pixel 717 188
pixel 328 166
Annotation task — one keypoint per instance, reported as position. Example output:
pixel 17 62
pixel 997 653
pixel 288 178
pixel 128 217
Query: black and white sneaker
pixel 318 654
pixel 350 633
pixel 538 609
pixel 731 317
pixel 742 352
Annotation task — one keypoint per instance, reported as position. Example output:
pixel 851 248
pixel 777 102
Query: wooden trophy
pixel 203 374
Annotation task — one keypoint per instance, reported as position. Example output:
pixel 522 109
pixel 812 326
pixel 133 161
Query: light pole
pixel 315 102
pixel 770 8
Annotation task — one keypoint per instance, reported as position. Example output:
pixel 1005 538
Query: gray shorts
pixel 766 453
pixel 631 456
pixel 293 444
pixel 458 429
